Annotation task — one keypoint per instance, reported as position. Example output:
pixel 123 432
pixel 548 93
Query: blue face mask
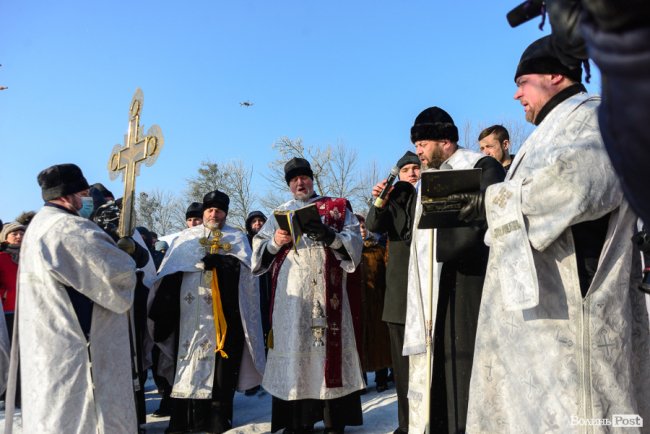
pixel 86 207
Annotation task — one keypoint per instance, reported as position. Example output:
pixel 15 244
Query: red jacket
pixel 8 275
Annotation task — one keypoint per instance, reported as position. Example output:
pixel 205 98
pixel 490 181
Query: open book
pixel 437 210
pixel 295 220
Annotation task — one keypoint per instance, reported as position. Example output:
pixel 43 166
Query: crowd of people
pixel 522 315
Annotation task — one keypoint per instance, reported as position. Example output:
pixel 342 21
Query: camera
pixel 526 11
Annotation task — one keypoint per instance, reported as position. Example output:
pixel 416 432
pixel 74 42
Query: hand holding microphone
pixel 381 197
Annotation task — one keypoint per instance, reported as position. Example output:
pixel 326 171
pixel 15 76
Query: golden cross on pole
pixel 126 160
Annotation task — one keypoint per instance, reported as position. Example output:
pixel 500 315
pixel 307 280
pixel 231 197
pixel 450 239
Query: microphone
pixel 379 202
pixel 527 10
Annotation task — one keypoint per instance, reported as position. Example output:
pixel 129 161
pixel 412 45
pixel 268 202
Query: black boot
pixel 163 408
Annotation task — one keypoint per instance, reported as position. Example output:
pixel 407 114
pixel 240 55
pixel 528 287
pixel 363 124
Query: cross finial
pixel 126 159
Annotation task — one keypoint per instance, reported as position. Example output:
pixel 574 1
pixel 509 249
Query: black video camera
pixel 526 11
pixel 107 217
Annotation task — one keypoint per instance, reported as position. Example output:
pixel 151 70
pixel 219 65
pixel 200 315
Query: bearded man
pixel 563 335
pixel 452 282
pixel 206 318
pixel 313 369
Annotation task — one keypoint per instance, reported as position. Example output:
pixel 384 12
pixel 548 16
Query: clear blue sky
pixel 356 72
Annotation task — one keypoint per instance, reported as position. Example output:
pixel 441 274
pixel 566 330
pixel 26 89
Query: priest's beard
pixel 212 225
pixel 303 196
pixel 435 161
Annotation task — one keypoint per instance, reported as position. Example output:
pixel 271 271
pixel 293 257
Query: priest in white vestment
pixel 563 342
pixel 310 377
pixel 75 288
pixel 206 318
pixel 445 281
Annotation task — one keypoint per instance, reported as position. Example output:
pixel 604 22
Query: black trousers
pixel 164 388
pixel 304 413
pixel 400 373
pixel 458 307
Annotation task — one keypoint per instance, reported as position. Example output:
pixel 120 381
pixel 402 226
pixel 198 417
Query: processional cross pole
pixel 126 160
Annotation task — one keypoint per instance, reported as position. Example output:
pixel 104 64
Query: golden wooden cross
pixel 126 160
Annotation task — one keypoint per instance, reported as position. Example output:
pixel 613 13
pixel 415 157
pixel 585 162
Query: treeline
pixel 338 171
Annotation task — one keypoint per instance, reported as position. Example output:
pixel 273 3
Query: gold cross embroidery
pixel 213 244
pixel 502 197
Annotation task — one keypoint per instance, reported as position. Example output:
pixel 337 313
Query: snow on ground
pixel 252 414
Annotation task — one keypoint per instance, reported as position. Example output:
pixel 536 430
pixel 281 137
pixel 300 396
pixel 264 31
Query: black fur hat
pixel 103 190
pixel 434 124
pixel 216 199
pixel 297 166
pixel 194 210
pixel 60 180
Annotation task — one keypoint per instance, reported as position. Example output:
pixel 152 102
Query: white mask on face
pixel 86 207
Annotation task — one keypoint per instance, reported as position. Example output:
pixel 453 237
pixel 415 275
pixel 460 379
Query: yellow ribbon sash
pixel 220 326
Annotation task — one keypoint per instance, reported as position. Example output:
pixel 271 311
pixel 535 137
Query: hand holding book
pixel 449 198
pixel 294 223
pixel 281 237
pixel 473 206
pixel 317 231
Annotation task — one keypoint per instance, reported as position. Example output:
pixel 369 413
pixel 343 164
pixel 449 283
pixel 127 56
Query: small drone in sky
pixel 246 104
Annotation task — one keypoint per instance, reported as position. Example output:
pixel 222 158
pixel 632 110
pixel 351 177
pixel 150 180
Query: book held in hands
pixel 295 221
pixel 436 186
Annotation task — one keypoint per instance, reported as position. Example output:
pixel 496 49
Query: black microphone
pixel 525 12
pixel 379 202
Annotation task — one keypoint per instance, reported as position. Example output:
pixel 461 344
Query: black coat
pixel 395 220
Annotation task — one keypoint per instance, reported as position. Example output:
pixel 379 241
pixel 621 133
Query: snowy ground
pixel 252 414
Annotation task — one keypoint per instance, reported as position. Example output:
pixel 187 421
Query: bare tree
pixel 470 135
pixel 335 172
pixel 210 177
pixel 344 179
pixel 288 149
pixel 157 211
pixel 277 192
pixel 231 178
pixel 369 178
pixel 518 131
pixel 242 200
pixel 178 215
